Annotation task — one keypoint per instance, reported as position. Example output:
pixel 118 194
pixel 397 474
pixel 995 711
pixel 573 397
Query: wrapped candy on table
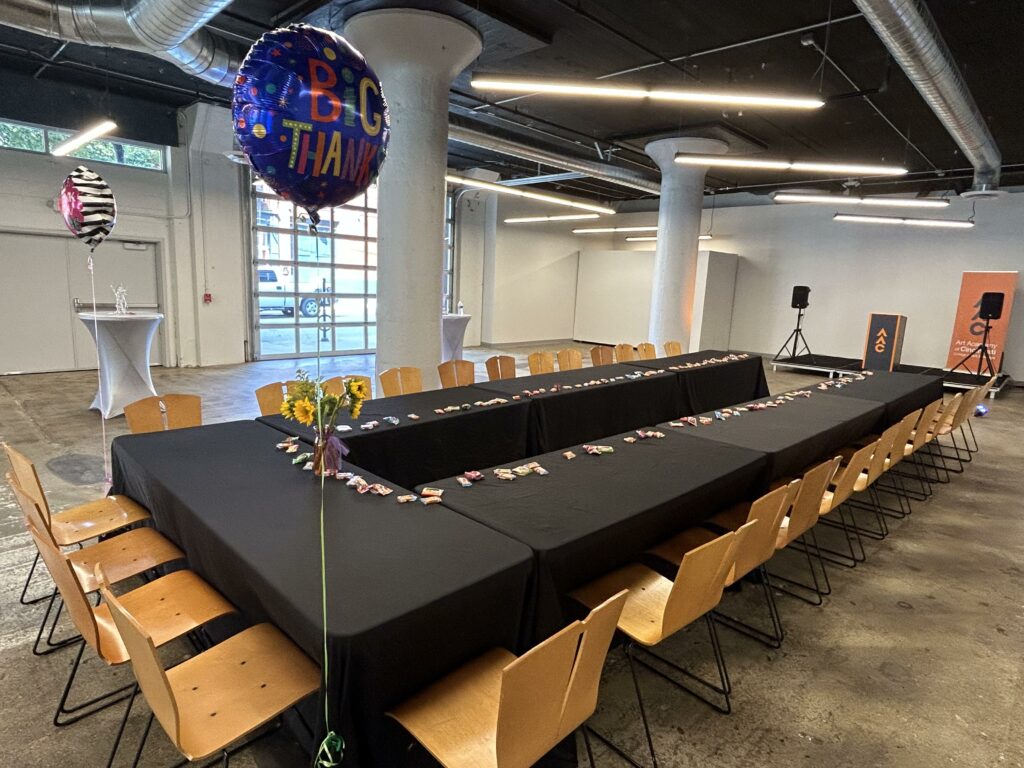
pixel 465 482
pixel 379 489
pixel 413 417
pixel 473 475
pixel 392 420
pixel 428 491
pixel 406 498
pixel 629 439
pixel 427 500
pixel 569 455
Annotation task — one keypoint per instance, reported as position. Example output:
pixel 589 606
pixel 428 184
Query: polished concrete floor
pixel 916 660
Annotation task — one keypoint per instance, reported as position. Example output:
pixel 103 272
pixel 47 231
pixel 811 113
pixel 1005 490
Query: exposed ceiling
pixel 873 114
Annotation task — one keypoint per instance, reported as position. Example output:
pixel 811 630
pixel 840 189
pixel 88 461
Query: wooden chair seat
pixel 167 608
pixel 642 614
pixel 456 718
pixel 236 686
pixel 862 482
pixel 95 518
pixel 125 555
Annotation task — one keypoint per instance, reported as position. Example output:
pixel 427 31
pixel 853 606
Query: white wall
pixel 191 213
pixel 613 296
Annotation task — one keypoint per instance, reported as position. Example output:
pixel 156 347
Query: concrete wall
pixel 193 213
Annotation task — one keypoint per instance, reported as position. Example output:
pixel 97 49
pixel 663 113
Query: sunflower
pixel 304 411
pixel 288 409
pixel 357 389
pixel 356 409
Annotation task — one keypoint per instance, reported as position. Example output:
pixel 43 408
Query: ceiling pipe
pixel 909 31
pixel 170 29
pixel 644 182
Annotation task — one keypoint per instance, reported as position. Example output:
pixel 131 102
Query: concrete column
pixel 416 54
pixel 675 253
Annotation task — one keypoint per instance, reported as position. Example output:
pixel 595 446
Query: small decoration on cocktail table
pixel 309 404
pixel 120 300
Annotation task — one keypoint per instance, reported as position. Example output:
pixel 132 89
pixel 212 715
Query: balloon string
pixel 107 474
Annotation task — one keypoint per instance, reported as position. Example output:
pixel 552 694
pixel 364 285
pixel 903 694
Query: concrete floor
pixel 915 660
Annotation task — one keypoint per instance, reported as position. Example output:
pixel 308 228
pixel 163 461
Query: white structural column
pixel 416 54
pixel 675 254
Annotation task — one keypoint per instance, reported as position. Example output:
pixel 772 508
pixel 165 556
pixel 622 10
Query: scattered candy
pixel 380 489
pixel 629 439
pixel 308 466
pixel 302 457
pixel 406 498
pixel 569 455
pixel 465 482
pixel 392 420
pixel 413 417
pixel 344 428
pixel 428 491
pixel 430 500
pixel 473 475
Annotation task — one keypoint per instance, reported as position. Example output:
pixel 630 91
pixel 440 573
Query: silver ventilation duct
pixel 604 171
pixel 171 29
pixel 909 31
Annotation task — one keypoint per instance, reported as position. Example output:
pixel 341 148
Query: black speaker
pixel 802 292
pixel 991 306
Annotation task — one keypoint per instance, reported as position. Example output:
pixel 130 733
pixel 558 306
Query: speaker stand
pixel 796 338
pixel 984 360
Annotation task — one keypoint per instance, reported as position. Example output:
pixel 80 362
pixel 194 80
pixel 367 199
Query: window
pixel 448 276
pixel 314 291
pixel 35 138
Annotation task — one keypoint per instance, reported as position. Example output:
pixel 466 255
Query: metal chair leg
pixel 816 588
pixel 771 639
pixel 52 647
pixel 120 731
pixel 66 715
pixel 28 580
pixel 643 719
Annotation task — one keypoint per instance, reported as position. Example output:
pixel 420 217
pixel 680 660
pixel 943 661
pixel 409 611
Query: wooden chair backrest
pixel 290 385
pixel 926 423
pixel 758 546
pixel 601 355
pixel 624 353
pixel 148 414
pixel 569 359
pixel 673 348
pixel 551 689
pixel 847 477
pixel 700 580
pixel 950 413
pixel 63 575
pixel 401 381
pixel 807 505
pixel 269 398
pixel 333 386
pixel 882 451
pixel 456 373
pixel 983 390
pixel 28 478
pixel 899 443
pixel 541 362
pixel 149 672
pixel 500 367
pixel 30 508
pixel 646 351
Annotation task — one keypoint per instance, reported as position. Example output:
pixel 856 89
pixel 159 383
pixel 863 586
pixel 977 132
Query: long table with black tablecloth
pixel 434 445
pixel 707 385
pixel 592 514
pixel 900 393
pixel 795 434
pixel 413 591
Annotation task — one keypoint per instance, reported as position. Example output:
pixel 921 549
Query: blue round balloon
pixel 310 116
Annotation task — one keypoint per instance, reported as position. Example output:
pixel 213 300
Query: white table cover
pixel 453 331
pixel 124 343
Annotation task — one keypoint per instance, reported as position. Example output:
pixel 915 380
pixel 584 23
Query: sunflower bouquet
pixel 313 403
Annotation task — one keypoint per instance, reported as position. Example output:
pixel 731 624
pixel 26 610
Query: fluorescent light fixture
pixel 608 230
pixel 69 145
pixel 842 169
pixel 566 217
pixel 880 202
pixel 650 238
pixel 515 191
pixel 685 95
pixel 910 222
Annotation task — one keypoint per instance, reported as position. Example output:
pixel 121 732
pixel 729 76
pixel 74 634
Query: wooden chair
pixel 979 396
pixel 170 607
pixel 657 607
pixel 757 549
pixel 646 351
pixel 269 397
pixel 500 711
pixel 216 698
pixel 74 525
pixel 456 373
pixel 673 348
pixel 569 360
pixel 541 362
pixel 624 353
pixel 849 476
pixel 401 381
pixel 500 367
pixel 601 355
pixel 921 435
pixel 148 414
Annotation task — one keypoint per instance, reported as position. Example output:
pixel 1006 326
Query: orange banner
pixel 968 328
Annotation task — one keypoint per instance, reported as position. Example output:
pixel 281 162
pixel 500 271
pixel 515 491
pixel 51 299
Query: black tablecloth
pixel 714 385
pixel 576 414
pixel 900 393
pixel 436 445
pixel 413 591
pixel 592 514
pixel 801 432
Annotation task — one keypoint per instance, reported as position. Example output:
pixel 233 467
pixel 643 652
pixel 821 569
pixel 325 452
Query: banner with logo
pixel 968 328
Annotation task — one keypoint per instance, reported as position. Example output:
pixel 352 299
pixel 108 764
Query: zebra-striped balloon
pixel 88 206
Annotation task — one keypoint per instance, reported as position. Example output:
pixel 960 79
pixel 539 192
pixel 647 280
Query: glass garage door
pixel 314 290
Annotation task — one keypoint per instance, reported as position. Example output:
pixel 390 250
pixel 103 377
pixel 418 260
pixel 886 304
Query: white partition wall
pixel 613 296
pixel 713 295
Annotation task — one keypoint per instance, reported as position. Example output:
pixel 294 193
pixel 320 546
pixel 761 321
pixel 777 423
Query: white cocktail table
pixel 453 331
pixel 123 343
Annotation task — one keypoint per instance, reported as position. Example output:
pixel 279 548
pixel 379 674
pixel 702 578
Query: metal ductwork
pixel 909 31
pixel 645 182
pixel 170 29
